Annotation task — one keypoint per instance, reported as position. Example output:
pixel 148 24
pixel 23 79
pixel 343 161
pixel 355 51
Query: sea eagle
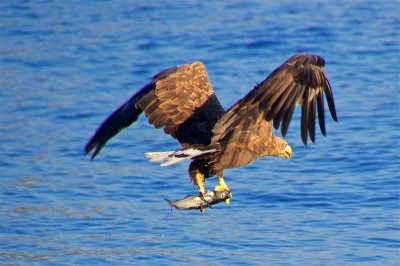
pixel 181 100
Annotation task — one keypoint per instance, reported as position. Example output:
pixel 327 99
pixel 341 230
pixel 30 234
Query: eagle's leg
pixel 198 180
pixel 222 186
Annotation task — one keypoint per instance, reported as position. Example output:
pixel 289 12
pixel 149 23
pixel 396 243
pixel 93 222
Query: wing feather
pixel 311 116
pixel 284 107
pixel 321 113
pixel 179 99
pixel 304 116
pixel 329 98
pixel 307 79
pixel 300 80
pixel 277 107
pixel 286 118
pixel 121 118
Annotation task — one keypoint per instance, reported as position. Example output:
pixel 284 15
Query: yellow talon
pixel 222 187
pixel 221 184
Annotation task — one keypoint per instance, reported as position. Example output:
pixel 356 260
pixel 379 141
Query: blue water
pixel 65 65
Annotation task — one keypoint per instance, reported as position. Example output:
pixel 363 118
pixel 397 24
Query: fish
pixel 192 202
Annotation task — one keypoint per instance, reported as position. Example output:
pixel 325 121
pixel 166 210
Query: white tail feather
pixel 172 157
pixel 158 156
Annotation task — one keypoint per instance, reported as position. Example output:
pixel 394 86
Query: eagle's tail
pixel 172 157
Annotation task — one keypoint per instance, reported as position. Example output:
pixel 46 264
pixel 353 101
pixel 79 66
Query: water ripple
pixel 66 65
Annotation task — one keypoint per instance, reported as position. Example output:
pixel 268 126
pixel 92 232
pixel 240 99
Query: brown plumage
pixel 181 100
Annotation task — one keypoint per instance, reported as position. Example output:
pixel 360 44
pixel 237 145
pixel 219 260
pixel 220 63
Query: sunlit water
pixel 66 66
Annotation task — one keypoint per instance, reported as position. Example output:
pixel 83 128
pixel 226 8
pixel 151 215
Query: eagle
pixel 181 100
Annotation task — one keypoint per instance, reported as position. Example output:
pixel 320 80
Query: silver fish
pixel 210 198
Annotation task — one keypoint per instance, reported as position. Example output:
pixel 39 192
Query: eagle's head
pixel 279 148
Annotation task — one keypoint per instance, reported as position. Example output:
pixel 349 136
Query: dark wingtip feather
pixel 330 100
pixel 303 134
pixel 319 61
pixel 286 119
pixel 311 122
pixel 121 118
pixel 98 148
pixel 88 148
pixel 92 143
pixel 110 127
pixel 276 123
pixel 333 114
pixel 304 117
pixel 321 114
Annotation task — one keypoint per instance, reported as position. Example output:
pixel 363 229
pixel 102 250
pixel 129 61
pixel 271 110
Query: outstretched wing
pixel 180 100
pixel 302 80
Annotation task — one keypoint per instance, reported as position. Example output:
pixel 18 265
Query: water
pixel 66 65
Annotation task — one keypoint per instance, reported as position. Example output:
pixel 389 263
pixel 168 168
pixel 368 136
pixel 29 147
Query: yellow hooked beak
pixel 288 152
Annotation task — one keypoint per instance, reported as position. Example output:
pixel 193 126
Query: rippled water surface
pixel 65 65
